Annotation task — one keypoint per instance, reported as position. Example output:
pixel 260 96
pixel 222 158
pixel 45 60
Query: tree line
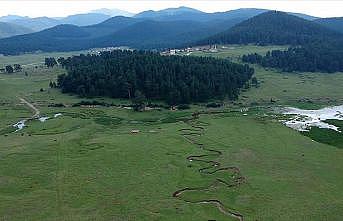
pixel 141 74
pixel 317 56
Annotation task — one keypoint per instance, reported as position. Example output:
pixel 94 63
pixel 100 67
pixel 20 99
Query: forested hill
pixel 273 27
pixel 117 31
pixel 332 23
pixel 150 34
pixel 171 28
pixel 174 79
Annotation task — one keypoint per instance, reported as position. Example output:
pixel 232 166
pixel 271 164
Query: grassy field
pixel 87 165
pixel 303 90
pixel 34 59
pixel 234 52
pixel 326 136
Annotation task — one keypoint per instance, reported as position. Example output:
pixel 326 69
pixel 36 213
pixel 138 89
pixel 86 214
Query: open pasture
pixel 88 165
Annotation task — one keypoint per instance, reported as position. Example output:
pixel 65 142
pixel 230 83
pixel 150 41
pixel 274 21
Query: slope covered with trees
pixel 174 79
pixel 117 31
pixel 171 28
pixel 332 23
pixel 273 27
pixel 149 34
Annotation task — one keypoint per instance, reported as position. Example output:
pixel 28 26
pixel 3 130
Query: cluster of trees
pixel 11 69
pixel 50 62
pixel 141 75
pixel 52 84
pixel 319 56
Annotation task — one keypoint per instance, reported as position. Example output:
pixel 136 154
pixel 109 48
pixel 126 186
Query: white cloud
pixel 54 8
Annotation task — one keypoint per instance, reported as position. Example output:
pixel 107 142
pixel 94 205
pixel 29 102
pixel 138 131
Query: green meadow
pixel 88 165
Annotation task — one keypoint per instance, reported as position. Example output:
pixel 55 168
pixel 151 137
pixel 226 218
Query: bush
pixel 183 107
pixel 56 105
pixel 214 105
pixel 91 103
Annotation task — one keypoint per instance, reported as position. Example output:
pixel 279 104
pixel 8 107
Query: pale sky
pixel 53 8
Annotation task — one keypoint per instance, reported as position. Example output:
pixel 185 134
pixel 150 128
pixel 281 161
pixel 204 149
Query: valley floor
pixel 86 164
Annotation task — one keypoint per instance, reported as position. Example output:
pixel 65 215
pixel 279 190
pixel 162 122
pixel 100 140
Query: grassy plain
pixel 86 165
pixel 303 90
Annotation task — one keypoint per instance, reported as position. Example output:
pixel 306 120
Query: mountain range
pixel 174 27
pixel 113 12
pixel 8 29
pixel 41 23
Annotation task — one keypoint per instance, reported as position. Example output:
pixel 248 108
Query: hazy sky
pixel 54 8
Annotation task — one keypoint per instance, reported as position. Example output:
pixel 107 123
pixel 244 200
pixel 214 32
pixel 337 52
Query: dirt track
pixel 35 110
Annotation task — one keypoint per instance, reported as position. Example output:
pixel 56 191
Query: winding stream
pixel 196 130
pixel 36 115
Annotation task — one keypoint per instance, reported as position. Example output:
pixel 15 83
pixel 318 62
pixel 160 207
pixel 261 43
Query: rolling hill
pixel 41 23
pixel 149 34
pixel 58 38
pixel 8 30
pixel 116 31
pixel 273 27
pixel 84 19
pixel 185 13
pixel 143 33
pixel 332 23
pixel 113 12
pixel 64 37
pixel 9 18
pixel 35 24
pixel 170 14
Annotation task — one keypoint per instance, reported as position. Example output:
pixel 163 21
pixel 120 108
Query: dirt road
pixel 35 110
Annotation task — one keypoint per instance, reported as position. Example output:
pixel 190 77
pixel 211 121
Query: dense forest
pixel 332 23
pixel 319 56
pixel 174 79
pixel 273 27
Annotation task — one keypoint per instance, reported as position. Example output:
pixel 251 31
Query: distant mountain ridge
pixel 185 13
pixel 169 14
pixel 8 30
pixel 9 18
pixel 84 19
pixel 116 31
pixel 35 24
pixel 166 29
pixel 113 12
pixel 41 23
